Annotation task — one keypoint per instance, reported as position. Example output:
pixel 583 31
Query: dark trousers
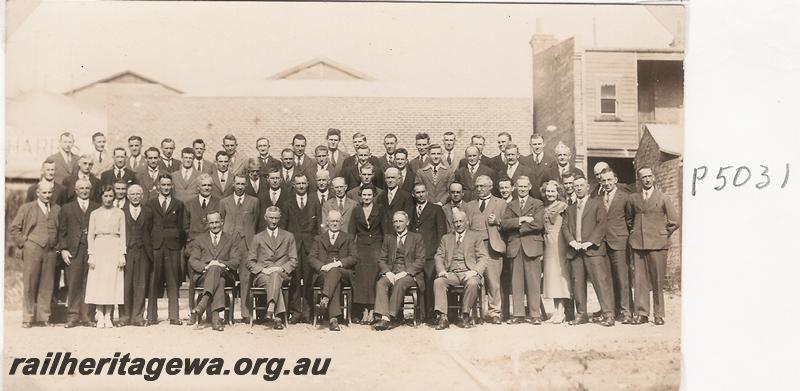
pixel 491 275
pixel 650 267
pixel 390 304
pixel 137 273
pixel 599 269
pixel 76 274
pixel 244 289
pixel 300 296
pixel 620 277
pixel 505 288
pixel 38 279
pixel 331 283
pixel 272 284
pixel 471 285
pixel 213 282
pixel 166 267
pixel 526 280
pixel 427 295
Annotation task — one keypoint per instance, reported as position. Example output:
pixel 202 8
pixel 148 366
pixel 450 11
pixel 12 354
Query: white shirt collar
pixel 161 199
pixel 42 205
pixel 83 203
pixel 401 235
pixel 201 198
pixel 134 207
pixel 215 235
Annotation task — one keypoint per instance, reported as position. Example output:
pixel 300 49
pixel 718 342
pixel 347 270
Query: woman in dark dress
pixel 365 224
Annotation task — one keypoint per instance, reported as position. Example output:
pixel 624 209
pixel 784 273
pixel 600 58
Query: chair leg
pixel 415 303
pixel 314 314
pixel 347 307
pixel 252 309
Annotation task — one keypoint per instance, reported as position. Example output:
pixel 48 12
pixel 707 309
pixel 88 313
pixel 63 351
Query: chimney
pixel 541 41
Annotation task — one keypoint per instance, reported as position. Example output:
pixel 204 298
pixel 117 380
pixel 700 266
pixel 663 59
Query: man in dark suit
pixel 265 161
pixel 584 230
pixel 541 164
pixel 201 164
pixel 400 265
pixel 390 144
pixel 66 161
pixel 321 163
pixel 467 174
pixel 456 203
pixel 73 229
pixel 169 237
pixel 214 259
pixel 275 191
pixel 323 192
pixel 256 184
pixel 196 209
pixel 394 199
pixel 618 225
pixel 407 177
pixel 118 172
pixel 302 219
pixel 222 178
pixel 479 142
pixel 596 188
pixel 302 162
pixel 120 194
pixel 135 157
pixel 333 257
pixel 500 162
pixel 523 223
pixel 166 163
pixel 421 141
pixel 235 160
pixel 359 139
pixel 428 220
pixel 59 195
pixel 239 211
pixel 352 173
pixel 654 220
pixel 138 257
pixel 564 162
pixel 514 169
pixel 84 171
pixel 367 176
pixel 460 260
pixel 148 174
pixel 335 156
pixel 288 170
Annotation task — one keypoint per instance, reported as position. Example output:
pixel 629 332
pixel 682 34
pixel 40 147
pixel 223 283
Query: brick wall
pixel 279 118
pixel 553 94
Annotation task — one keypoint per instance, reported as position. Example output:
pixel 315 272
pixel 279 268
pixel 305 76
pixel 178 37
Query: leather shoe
pixel 516 320
pixel 122 323
pixel 70 324
pixel 659 321
pixel 216 323
pixel 48 324
pixel 333 325
pixel 578 320
pixel 277 324
pixel 536 321
pixel 626 319
pixel 355 321
pixel 442 323
pixel 139 323
pixel 381 325
pixel 495 320
pixel 640 320
pixel 607 322
pixel 194 319
pixel 27 325
pixel 322 307
pixel 175 322
pixel 246 319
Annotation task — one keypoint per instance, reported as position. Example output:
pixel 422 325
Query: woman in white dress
pixel 556 266
pixel 104 284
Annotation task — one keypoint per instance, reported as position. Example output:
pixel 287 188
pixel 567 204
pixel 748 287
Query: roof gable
pixel 124 77
pixel 320 68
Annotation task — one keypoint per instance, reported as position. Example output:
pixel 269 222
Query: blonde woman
pixel 555 264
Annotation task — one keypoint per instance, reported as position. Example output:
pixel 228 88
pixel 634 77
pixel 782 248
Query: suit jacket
pixel 654 220
pixel 261 193
pixel 408 180
pixel 448 214
pixel 64 170
pixel 520 171
pixel 174 165
pixel 619 220
pixel 59 196
pixel 145 220
pixel 431 224
pixel 437 189
pixel 384 162
pixel 230 251
pixel 368 229
pixel 402 201
pixel 455 159
pixel 353 177
pixel 595 190
pixel 207 167
pixel 69 188
pixel 308 166
pixel 555 171
pixel 475 255
pixel 542 172
pixel 265 167
pixel 147 183
pixel 108 177
pixel 525 236
pixel 142 161
pixel 414 247
pixel 484 160
pixel 169 226
pixel 496 163
pixel 185 190
pixel 303 223
pixel 99 167
pixel 73 223
pixel 218 189
pixel 336 168
pixel 265 252
pixel 322 251
pixel 547 162
pixel 197 215
pixel 593 227
pixel 25 221
pixel 239 220
pixel 347 212
pixel 467 179
pixel 416 163
pixel 478 221
pixel 236 165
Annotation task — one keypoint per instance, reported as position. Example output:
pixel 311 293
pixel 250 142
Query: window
pixel 608 99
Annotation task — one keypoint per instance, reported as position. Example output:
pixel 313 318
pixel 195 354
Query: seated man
pixel 272 257
pixel 333 257
pixel 214 258
pixel 400 264
pixel 461 259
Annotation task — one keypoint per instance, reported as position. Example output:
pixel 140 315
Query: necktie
pixel 333 238
pixel 522 203
pixel 341 204
pixel 119 174
pixel 274 196
pixel 606 199
pixel 255 186
pixel 402 179
pixel 153 175
pixel 419 211
pixel 185 175
pixel 483 205
pixel 238 201
pixel 47 208
pixel 273 234
pixel 401 240
pixel 302 202
pixel 646 194
pixel 297 162
pixel 216 240
pixel 390 196
pixel 204 204
pixel 100 157
pixel 286 176
pixel 222 178
pixel 449 159
pixel 199 165
pixel 67 159
pixel 83 206
pixel 472 170
pixel 164 205
pixel 332 159
pixel 135 213
pixel 459 238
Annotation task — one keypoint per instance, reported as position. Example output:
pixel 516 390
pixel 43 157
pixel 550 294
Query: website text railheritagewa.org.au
pixel 151 369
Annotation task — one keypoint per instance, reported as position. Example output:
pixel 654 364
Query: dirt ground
pixel 495 357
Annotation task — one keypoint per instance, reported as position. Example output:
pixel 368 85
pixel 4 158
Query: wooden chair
pixel 347 304
pixel 255 293
pixel 457 292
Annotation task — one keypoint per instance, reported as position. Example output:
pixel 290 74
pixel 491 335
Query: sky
pixel 221 48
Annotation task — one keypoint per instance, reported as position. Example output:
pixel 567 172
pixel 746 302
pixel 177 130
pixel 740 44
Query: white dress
pixel 105 283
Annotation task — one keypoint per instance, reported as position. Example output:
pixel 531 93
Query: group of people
pixel 129 224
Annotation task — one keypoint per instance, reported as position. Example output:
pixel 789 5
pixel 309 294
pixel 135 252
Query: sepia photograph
pixel 354 195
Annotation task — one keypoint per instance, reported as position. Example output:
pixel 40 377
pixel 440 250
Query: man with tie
pixel 271 259
pixel 73 229
pixel 407 176
pixel 169 237
pixel 456 202
pixel 84 171
pixel 135 148
pixel 484 215
pixel 235 160
pixel 185 178
pixel 540 163
pixel 394 199
pixel 479 142
pixel 322 164
pixel 239 213
pixel 460 260
pixel 421 141
pixel 359 140
pixel 66 161
pixel 449 154
pixel 618 225
pixel 276 193
pixel 287 168
pixel 302 162
pixel 428 220
pixel 352 173
pixel 323 183
pixel 523 223
pixel 59 194
pixel 401 261
pixel 168 164
pixel 222 177
pixel 201 164
pixel 120 194
pixel 513 169
pixel 35 232
pixel 214 259
pixel 256 184
pixel 654 221
pixel 436 176
pixel 563 165
pixel 584 230
pixel 366 176
pixel 100 156
pixel 568 180
pixel 390 144
pixel 303 220
pixel 340 203
pixel 499 162
pixel 196 210
pixel 118 172
pixel 333 258
pixel 138 257
pixel 148 174
pixel 265 161
pixel 467 174
pixel 336 157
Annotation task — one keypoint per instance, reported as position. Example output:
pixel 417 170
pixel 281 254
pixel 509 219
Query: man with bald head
pixel 339 202
pixel 394 199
